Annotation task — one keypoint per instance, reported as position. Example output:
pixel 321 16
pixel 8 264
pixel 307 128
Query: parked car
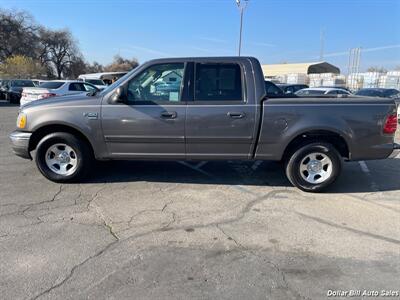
pixel 323 92
pixel 38 82
pixel 273 91
pixel 101 80
pixel 379 92
pixel 3 84
pixel 55 88
pixel 13 89
pixel 291 88
pixel 219 111
pixel 337 87
pixel 96 82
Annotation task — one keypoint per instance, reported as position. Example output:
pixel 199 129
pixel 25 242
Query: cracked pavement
pixel 191 230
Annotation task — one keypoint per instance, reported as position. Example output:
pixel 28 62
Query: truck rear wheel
pixel 62 157
pixel 314 167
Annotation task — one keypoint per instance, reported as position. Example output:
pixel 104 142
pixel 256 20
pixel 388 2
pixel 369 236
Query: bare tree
pixel 18 35
pixel 94 68
pixel 58 49
pixel 121 64
pixel 76 67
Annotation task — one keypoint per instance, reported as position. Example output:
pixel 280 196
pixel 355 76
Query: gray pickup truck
pixel 204 109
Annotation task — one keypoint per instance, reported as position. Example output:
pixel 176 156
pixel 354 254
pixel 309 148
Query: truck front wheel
pixel 62 157
pixel 314 167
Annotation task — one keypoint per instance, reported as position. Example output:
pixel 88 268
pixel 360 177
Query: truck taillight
pixel 390 124
pixel 47 95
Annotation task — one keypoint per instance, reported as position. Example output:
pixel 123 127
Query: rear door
pixel 220 121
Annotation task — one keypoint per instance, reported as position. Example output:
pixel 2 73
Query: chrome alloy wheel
pixel 316 168
pixel 61 159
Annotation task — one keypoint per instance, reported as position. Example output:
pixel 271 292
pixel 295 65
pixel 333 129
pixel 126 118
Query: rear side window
pixel 218 82
pixel 51 84
pixel 343 92
pixel 77 87
pixel 95 81
pixel 22 83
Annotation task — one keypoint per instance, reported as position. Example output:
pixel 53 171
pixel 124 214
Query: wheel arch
pixel 41 132
pixel 324 136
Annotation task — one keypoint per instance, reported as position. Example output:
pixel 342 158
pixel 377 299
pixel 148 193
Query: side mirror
pixel 119 96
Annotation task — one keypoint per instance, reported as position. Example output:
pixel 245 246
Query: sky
pixel 274 31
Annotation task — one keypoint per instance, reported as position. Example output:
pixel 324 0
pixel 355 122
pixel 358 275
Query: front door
pixel 220 123
pixel 152 122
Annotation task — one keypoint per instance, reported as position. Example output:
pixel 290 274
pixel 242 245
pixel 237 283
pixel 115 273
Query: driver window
pixel 160 82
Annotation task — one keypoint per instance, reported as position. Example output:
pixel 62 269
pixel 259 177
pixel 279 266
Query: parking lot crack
pixel 72 271
pixel 295 293
pixel 356 231
pixel 110 229
pixel 230 237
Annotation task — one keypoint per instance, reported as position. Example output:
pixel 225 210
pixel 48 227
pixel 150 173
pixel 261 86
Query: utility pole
pixel 241 4
pixel 322 46
pixel 354 60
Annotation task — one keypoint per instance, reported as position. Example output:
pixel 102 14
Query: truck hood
pixel 68 100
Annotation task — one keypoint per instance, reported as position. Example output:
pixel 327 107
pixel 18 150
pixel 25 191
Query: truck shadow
pixel 4 103
pixel 383 175
pixel 211 172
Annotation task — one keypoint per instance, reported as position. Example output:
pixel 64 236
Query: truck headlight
pixel 21 120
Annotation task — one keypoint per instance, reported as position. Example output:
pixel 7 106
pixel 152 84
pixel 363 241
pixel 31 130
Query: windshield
pixel 390 93
pixel 23 83
pixel 51 84
pixel 117 83
pixel 371 93
pixel 95 81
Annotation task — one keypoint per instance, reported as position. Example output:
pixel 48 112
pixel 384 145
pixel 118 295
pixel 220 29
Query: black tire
pixel 293 165
pixel 83 151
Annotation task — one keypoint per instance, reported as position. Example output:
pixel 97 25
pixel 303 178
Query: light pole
pixel 242 6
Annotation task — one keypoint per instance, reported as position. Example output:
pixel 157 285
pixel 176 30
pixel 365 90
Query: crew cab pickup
pixel 204 109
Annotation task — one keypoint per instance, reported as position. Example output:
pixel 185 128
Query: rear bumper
pixel 396 150
pixel 20 143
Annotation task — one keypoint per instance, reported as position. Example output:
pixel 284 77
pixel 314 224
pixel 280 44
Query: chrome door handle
pixel 169 115
pixel 236 115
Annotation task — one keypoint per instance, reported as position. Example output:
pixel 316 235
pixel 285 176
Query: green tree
pixel 20 66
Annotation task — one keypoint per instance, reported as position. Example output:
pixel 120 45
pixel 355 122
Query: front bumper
pixel 20 143
pixel 396 150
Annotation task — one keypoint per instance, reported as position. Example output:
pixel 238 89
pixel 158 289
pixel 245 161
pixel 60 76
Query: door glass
pixel 88 87
pixel 77 87
pixel 218 82
pixel 160 82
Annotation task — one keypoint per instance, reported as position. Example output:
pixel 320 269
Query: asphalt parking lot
pixel 196 230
